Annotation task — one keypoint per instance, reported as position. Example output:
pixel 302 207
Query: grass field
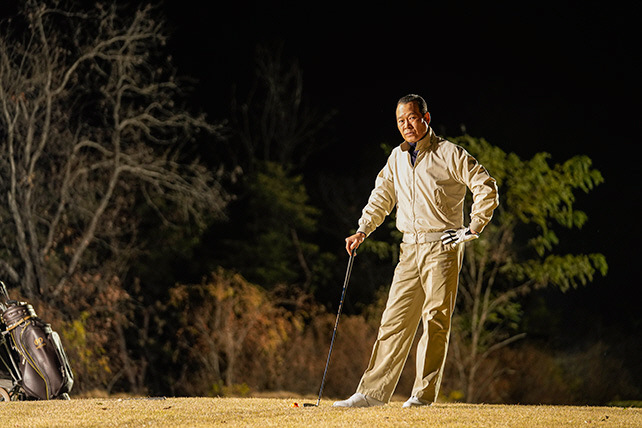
pixel 261 412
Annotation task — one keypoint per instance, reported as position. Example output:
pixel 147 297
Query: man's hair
pixel 414 98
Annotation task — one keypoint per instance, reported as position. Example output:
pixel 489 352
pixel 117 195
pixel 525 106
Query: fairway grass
pixel 262 412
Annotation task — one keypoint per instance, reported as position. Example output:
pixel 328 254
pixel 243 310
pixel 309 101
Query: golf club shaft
pixel 336 322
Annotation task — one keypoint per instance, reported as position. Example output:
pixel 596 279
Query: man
pixel 426 179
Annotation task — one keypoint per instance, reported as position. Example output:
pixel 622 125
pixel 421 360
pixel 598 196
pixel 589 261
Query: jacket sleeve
pixel 382 199
pixel 482 186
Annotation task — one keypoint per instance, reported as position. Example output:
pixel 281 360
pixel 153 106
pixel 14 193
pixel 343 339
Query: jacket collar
pixel 424 143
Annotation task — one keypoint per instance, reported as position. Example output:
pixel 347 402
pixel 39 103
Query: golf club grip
pixel 345 285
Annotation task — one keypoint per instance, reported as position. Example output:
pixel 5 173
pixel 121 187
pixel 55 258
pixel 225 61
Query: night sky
pixel 560 77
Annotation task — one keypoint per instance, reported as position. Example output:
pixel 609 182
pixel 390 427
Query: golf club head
pixel 310 405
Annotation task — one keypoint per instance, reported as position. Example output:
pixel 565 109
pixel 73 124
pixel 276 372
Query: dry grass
pixel 260 412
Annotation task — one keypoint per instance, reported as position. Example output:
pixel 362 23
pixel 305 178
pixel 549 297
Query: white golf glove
pixel 455 237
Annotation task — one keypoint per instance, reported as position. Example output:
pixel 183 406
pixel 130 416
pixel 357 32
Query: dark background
pixel 560 78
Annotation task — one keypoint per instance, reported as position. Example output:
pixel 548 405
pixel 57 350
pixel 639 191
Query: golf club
pixel 334 332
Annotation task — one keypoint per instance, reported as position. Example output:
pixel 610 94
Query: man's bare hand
pixel 353 242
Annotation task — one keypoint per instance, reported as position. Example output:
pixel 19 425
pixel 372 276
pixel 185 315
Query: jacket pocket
pixel 441 201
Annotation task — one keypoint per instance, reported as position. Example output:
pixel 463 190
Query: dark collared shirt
pixel 413 152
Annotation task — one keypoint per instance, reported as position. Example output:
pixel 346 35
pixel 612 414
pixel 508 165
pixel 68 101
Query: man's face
pixel 412 125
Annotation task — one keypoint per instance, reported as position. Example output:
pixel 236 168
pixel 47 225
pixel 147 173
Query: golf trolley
pixel 33 363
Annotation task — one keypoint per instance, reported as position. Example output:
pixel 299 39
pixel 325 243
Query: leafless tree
pixel 274 122
pixel 91 125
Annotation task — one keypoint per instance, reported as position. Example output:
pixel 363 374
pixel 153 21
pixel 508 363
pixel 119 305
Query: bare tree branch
pixel 90 120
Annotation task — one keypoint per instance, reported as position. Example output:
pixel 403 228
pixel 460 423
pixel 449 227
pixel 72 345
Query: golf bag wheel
pixel 4 395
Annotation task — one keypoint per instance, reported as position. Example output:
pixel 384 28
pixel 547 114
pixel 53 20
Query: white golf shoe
pixel 415 402
pixel 358 400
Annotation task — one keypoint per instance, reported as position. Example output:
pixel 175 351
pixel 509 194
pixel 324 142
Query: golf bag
pixel 43 370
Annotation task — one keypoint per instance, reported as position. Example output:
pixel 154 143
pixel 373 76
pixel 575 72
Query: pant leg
pixel 439 269
pixel 399 324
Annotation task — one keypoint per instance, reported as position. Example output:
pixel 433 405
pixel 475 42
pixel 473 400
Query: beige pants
pixel 424 287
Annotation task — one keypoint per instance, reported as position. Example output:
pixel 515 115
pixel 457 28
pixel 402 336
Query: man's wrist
pixel 476 226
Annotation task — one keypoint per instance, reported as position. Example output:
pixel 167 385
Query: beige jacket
pixel 430 196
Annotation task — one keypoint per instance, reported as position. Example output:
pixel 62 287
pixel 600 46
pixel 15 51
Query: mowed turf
pixel 261 412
